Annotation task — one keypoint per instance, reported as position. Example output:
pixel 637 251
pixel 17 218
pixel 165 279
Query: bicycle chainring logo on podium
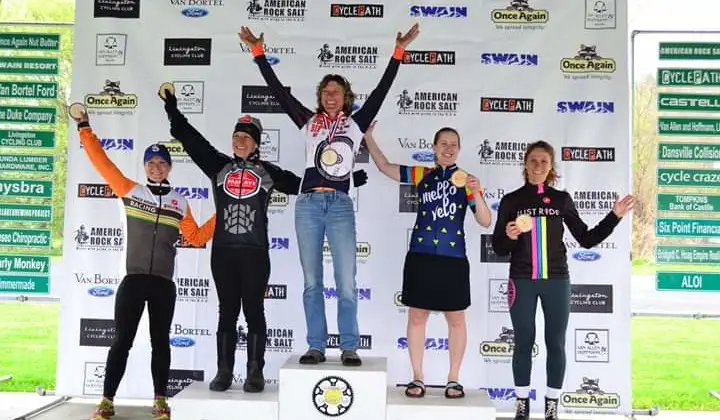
pixel 333 396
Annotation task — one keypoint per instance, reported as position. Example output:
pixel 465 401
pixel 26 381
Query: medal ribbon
pixel 332 128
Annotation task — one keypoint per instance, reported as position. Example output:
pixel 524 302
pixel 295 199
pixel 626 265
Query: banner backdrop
pixel 504 73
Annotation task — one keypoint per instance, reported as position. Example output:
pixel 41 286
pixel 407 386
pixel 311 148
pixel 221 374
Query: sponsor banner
pixel 561 87
pixel 688 77
pixel 689 51
pixel 29 41
pixel 28 90
pixel 688 152
pixel 29 65
pixel 24 284
pixel 24 264
pixel 27 163
pixel 689 203
pixel 25 238
pixel 687 254
pixel 693 228
pixel 27 139
pixel 27 115
pixel 25 213
pixel 699 282
pixel 678 177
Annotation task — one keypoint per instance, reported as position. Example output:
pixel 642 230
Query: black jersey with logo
pixel 242 188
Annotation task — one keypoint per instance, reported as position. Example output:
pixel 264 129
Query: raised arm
pixel 391 170
pixel 107 169
pixel 205 156
pixel 588 238
pixel 298 113
pixel 365 115
pixel 197 236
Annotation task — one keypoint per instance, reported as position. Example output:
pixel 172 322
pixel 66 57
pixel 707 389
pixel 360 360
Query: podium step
pixel 475 406
pixel 329 389
pixel 197 402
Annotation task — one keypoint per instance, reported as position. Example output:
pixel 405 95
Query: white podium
pixel 327 390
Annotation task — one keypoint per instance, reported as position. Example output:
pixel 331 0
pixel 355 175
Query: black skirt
pixel 436 282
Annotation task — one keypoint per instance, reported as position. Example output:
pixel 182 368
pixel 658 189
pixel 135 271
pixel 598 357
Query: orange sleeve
pixel 194 234
pixel 114 177
pixel 257 49
pixel 398 52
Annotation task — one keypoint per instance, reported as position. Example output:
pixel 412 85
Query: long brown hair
pixel 349 98
pixel 552 176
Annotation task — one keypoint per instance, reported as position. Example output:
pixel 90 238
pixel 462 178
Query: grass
pixel 675 361
pixel 28 345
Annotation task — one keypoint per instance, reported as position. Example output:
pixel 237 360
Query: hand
pixel 512 231
pixel 170 100
pixel 403 41
pixel 360 178
pixel 622 207
pixel 83 118
pixel 249 38
pixel 369 131
pixel 473 183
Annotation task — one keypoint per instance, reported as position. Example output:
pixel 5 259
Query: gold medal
pixel 76 110
pixel 169 86
pixel 329 157
pixel 524 223
pixel 459 178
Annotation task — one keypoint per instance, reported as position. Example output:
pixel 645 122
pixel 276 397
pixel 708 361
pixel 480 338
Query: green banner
pixel 24 284
pixel 24 264
pixel 27 138
pixel 689 152
pixel 688 102
pixel 674 227
pixel 29 41
pixel 687 254
pixel 698 282
pixel 26 238
pixel 25 213
pixel 25 188
pixel 28 90
pixel 27 163
pixel 688 77
pixel 29 65
pixel 689 51
pixel 689 203
pixel 692 126
pixel 27 114
pixel 677 177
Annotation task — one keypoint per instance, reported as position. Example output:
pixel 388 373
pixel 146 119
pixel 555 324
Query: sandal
pixel 455 386
pixel 415 385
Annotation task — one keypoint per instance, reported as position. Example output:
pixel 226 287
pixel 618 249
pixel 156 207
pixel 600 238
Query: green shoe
pixel 161 410
pixel 105 410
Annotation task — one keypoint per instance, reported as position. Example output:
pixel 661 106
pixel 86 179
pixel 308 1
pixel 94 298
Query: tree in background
pixel 47 11
pixel 644 156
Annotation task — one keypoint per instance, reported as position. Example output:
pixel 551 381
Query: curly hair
pixel 347 89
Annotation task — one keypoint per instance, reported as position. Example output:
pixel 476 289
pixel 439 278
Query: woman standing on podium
pixel 436 275
pixel 530 229
pixel 155 217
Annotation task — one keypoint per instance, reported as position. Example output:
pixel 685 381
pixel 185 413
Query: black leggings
pixel 133 292
pixel 554 296
pixel 241 277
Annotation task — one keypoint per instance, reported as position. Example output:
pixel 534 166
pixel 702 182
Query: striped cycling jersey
pixel 155 216
pixel 440 222
pixel 541 252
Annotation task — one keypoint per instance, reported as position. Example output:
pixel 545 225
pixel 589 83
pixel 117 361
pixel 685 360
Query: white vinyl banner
pixel 502 72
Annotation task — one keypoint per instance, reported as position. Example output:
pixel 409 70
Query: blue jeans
pixel 330 213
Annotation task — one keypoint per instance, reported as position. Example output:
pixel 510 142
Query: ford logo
pixel 424 156
pixel 194 12
pixel 182 342
pixel 495 205
pixel 356 105
pixel 100 291
pixel 586 256
pixel 272 60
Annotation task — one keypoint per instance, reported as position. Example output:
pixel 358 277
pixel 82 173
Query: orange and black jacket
pixel 156 215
